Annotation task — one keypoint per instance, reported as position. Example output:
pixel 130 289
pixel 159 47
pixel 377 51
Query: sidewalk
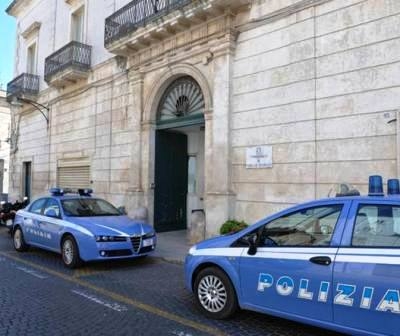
pixel 172 246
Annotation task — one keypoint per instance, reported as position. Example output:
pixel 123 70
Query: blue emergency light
pixel 375 186
pixel 85 192
pixel 393 187
pixel 57 191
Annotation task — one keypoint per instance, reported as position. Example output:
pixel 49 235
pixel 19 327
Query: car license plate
pixel 148 242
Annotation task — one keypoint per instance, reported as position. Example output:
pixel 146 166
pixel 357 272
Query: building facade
pixel 231 108
pixel 4 145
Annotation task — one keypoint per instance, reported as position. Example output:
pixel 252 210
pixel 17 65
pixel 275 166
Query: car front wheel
pixel 215 294
pixel 70 252
pixel 19 241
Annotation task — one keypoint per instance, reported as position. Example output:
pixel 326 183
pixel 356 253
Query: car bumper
pixel 117 250
pixel 189 268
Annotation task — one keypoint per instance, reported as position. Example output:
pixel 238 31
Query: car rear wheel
pixel 215 294
pixel 70 252
pixel 19 241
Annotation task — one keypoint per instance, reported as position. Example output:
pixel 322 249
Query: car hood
pixel 112 225
pixel 215 242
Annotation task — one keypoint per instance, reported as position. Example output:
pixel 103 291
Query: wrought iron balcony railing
pixel 74 55
pixel 23 85
pixel 136 14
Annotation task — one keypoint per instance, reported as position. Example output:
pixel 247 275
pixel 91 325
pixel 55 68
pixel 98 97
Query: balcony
pixel 136 14
pixel 143 22
pixel 68 64
pixel 24 86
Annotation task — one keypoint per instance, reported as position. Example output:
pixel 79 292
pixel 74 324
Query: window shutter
pixel 73 174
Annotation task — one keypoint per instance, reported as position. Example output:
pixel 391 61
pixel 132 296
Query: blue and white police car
pixel 81 228
pixel 332 263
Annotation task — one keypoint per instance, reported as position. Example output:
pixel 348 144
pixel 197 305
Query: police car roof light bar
pixel 85 192
pixel 393 187
pixel 57 191
pixel 375 186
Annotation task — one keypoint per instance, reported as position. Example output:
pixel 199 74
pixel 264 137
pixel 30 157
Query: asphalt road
pixel 39 296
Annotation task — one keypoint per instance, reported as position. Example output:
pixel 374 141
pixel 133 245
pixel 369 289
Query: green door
pixel 170 181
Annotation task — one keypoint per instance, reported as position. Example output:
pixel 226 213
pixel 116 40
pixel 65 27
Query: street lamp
pixel 16 101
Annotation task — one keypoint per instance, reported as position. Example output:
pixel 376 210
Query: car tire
pixel 18 239
pixel 70 252
pixel 215 294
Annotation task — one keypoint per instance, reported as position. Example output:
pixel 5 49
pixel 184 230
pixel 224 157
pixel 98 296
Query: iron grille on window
pixel 135 14
pixel 75 54
pixel 24 84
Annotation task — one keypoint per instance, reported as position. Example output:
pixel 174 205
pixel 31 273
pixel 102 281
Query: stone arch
pixel 162 83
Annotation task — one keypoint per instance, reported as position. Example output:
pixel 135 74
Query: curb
pixel 169 260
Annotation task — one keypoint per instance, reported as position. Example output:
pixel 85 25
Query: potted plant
pixel 232 226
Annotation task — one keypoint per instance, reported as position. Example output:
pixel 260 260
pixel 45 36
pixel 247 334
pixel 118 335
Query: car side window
pixel 377 226
pixel 37 206
pixel 307 227
pixel 52 204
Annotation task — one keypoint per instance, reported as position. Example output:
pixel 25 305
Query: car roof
pixel 363 198
pixel 68 197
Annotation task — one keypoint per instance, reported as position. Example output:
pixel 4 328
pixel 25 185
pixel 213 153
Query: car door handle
pixel 321 260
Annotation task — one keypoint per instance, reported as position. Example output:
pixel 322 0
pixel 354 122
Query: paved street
pixel 39 296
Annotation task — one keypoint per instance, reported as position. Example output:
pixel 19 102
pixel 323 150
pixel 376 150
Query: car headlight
pixel 149 235
pixel 102 239
pixel 192 250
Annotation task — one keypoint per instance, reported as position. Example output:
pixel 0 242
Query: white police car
pixel 332 263
pixel 81 228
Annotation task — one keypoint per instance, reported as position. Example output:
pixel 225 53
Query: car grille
pixel 136 241
pixel 118 253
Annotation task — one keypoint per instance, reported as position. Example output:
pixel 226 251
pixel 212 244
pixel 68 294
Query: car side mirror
pixel 122 210
pixel 51 213
pixel 252 242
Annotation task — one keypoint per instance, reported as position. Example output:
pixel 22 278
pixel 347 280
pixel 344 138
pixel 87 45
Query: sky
pixel 7 43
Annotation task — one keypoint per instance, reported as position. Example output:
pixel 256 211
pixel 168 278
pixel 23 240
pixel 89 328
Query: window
pixel 77 22
pixel 31 59
pixel 52 205
pixel 307 227
pixel 37 206
pixel 377 226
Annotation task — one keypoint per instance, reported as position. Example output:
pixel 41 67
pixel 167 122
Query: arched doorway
pixel 179 154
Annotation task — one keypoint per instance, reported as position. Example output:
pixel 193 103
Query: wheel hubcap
pixel 212 293
pixel 17 239
pixel 68 251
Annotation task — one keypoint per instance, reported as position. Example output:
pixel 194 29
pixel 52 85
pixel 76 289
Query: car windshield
pixel 88 207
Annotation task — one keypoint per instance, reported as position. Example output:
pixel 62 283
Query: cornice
pixel 32 29
pixel 16 5
pixel 281 13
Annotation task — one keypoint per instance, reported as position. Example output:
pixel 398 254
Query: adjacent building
pixel 233 108
pixel 4 145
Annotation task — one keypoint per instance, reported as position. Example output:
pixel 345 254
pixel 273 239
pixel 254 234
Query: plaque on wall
pixel 259 157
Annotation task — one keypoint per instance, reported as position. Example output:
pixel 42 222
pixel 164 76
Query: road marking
pixel 114 306
pixel 118 297
pixel 85 272
pixel 32 272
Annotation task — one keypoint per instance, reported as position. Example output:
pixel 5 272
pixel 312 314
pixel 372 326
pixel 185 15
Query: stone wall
pixel 4 145
pixel 320 87
pixel 320 84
